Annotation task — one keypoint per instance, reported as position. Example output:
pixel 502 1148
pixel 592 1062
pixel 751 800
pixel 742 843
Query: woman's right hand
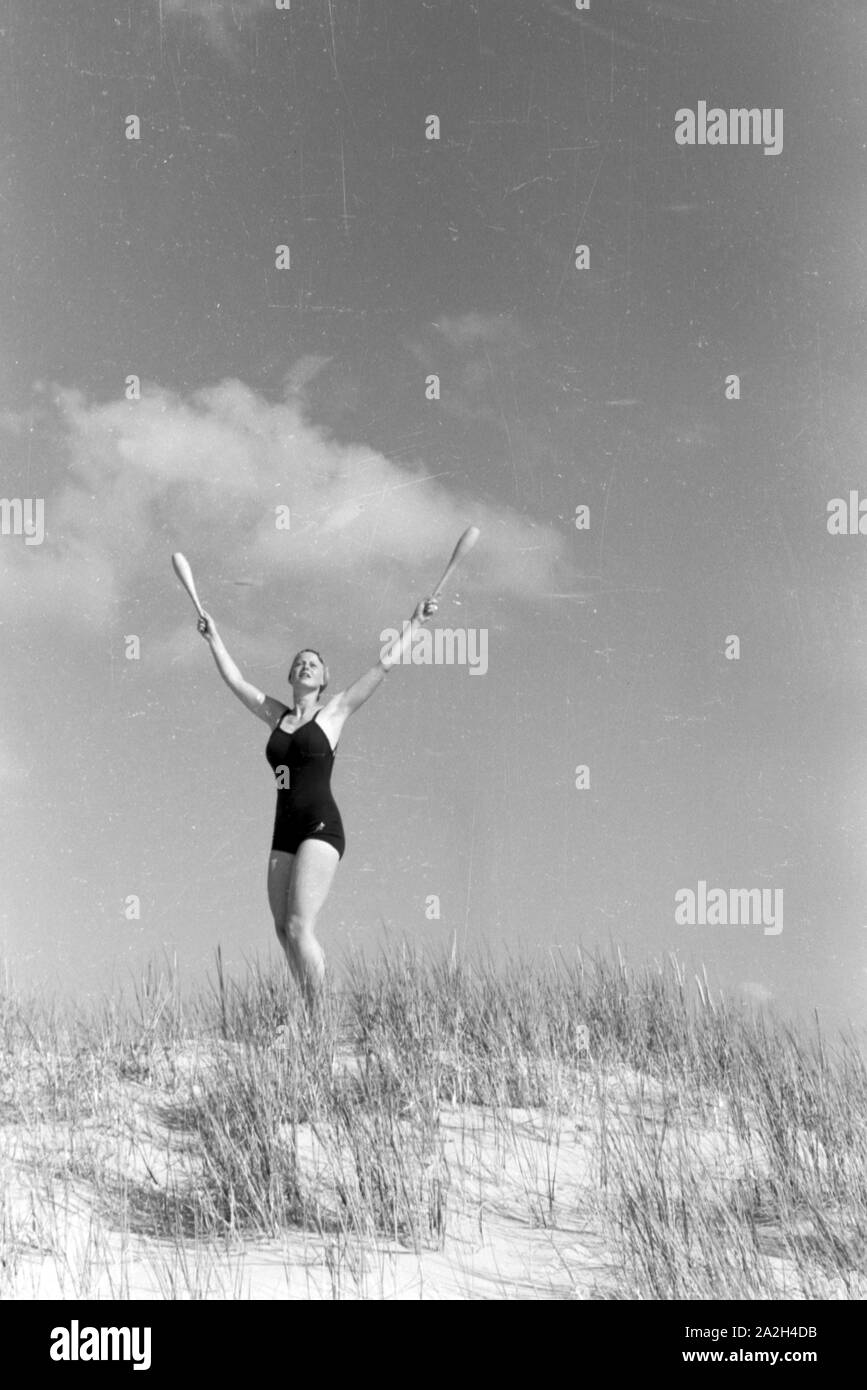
pixel 208 628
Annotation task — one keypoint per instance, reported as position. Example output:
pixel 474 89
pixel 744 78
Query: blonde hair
pixel 321 659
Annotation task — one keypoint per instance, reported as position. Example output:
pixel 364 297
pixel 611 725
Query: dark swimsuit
pixel 306 810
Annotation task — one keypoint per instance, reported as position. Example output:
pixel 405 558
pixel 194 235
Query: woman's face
pixel 307 669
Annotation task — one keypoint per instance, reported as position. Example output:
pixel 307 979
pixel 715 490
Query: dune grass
pixel 711 1150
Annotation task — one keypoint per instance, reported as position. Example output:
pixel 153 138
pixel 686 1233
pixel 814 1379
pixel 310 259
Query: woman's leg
pixel 279 878
pixel 312 876
pixel 308 881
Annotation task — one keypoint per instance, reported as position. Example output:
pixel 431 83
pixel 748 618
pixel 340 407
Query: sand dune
pixel 150 1160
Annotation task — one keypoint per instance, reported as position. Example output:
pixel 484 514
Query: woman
pixel 308 840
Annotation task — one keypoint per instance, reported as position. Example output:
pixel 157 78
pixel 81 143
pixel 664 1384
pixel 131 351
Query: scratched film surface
pixel 303 291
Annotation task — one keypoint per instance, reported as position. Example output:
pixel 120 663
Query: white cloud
pixel 204 474
pixel 303 372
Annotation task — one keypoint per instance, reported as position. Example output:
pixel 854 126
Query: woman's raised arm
pixel 265 707
pixel 354 696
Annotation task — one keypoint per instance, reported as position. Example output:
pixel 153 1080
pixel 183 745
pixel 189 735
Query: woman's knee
pixel 298 927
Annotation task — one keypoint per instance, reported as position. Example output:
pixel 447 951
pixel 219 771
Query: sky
pixel 136 805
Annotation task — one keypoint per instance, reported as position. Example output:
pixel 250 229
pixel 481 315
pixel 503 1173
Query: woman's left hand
pixel 424 610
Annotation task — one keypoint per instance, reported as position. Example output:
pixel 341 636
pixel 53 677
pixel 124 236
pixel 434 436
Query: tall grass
pixel 711 1150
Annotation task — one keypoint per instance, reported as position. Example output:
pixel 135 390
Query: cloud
pixel 205 474
pixel 302 373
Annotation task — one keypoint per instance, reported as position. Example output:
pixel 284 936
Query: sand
pixel 523 1220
